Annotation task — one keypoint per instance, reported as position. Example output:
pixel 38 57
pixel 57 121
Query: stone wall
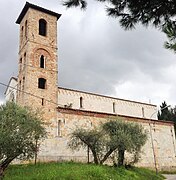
pixel 32 47
pixel 99 103
pixel 159 151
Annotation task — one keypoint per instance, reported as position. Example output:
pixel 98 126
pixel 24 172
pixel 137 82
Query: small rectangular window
pixel 143 115
pixel 42 101
pixel 59 128
pixel 114 107
pixel 42 83
pixel 81 102
pixel 23 83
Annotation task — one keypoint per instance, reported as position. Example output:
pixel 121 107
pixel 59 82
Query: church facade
pixel 66 109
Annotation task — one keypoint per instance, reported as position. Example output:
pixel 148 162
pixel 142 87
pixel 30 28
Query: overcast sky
pixel 96 54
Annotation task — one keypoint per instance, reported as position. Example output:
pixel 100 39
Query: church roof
pixel 29 5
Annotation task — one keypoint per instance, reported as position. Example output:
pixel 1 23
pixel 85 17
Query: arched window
pixel 42 61
pixel 42 83
pixel 81 102
pixel 42 27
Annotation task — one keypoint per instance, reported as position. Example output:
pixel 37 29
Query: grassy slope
pixel 76 171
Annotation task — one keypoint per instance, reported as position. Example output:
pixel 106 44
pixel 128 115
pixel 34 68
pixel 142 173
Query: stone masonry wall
pixel 32 47
pixel 99 103
pixel 159 132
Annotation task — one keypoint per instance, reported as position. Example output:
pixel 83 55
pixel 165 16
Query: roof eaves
pixel 29 5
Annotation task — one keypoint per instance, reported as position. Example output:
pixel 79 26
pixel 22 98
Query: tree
pixel 20 129
pixel 131 12
pixel 165 113
pixel 110 137
pixel 160 13
pixel 126 137
pixel 170 31
pixel 92 139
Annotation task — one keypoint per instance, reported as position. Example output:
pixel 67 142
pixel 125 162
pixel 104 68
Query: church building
pixel 66 109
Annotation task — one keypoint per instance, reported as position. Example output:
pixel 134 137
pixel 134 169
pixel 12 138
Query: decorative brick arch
pixel 38 52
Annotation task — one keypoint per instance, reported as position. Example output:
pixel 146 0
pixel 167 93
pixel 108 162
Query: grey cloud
pixel 95 53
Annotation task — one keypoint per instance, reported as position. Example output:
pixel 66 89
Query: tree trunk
pixel 1 173
pixel 36 151
pixel 4 165
pixel 95 156
pixel 121 156
pixel 106 156
pixel 88 157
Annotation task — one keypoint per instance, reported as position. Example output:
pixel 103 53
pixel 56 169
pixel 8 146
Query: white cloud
pixel 1 102
pixel 97 55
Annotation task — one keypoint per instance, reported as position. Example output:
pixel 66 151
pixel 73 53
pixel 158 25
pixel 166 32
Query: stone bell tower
pixel 38 71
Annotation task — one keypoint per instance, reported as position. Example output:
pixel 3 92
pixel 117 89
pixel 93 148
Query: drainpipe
pixel 151 136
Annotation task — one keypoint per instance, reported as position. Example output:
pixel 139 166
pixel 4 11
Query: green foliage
pixel 94 139
pixel 165 113
pixel 130 12
pixel 170 31
pixel 20 128
pixel 128 137
pixel 75 3
pixel 159 13
pixel 110 137
pixel 77 171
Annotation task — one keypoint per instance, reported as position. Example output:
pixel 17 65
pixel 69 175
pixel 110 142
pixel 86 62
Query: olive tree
pixel 126 137
pixel 20 129
pixel 93 139
pixel 112 136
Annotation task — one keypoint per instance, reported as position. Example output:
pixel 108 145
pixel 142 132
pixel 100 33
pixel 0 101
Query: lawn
pixel 76 171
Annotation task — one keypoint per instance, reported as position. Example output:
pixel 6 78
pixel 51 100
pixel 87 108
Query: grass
pixel 76 171
pixel 169 172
